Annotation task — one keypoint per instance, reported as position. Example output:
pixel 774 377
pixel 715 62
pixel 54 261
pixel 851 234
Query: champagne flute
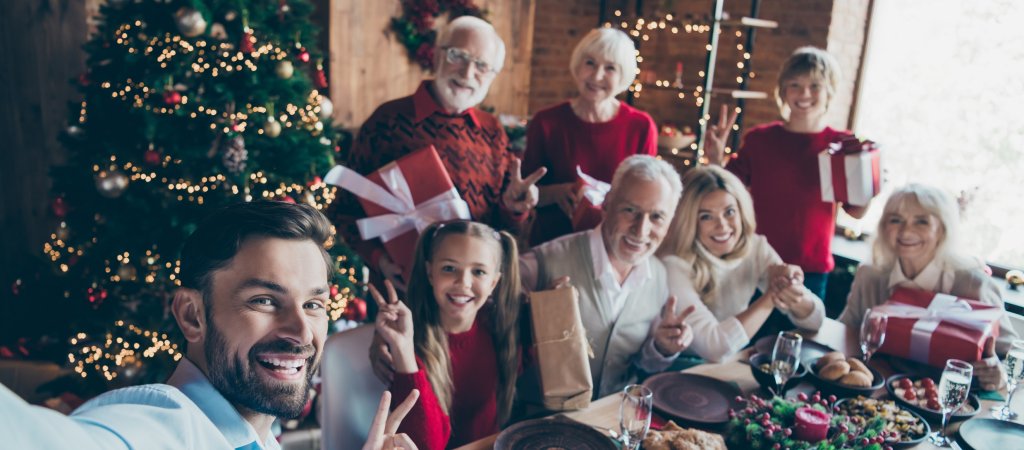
pixel 635 415
pixel 953 388
pixel 872 332
pixel 1014 364
pixel 786 358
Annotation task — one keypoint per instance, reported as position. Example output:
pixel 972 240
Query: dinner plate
pixel 692 398
pixel 901 444
pixel 809 350
pixel 544 434
pixel 981 433
pixel 932 415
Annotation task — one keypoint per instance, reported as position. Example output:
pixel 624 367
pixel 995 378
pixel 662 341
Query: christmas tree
pixel 186 105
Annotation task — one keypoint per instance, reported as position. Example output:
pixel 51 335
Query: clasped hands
pixel 787 291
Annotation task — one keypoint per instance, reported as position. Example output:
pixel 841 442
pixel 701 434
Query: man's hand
pixel 521 194
pixel 564 195
pixel 382 431
pixel 673 335
pixel 392 272
pixel 718 133
pixel 781 276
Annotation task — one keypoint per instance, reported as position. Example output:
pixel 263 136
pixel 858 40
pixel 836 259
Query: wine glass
pixel 635 415
pixel 953 388
pixel 872 332
pixel 785 358
pixel 1014 364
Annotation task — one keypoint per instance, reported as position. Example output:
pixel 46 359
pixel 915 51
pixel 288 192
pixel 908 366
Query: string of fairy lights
pixel 642 28
pixel 126 345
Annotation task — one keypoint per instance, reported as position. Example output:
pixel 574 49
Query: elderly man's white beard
pixel 459 93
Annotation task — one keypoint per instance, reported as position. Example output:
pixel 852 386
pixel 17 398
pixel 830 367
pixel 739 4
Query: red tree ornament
pixel 320 78
pixel 59 208
pixel 247 45
pixel 152 157
pixel 356 310
pixel 171 97
pixel 303 55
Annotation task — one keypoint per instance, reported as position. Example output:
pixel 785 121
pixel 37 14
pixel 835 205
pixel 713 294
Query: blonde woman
pixel 716 263
pixel 593 130
pixel 916 246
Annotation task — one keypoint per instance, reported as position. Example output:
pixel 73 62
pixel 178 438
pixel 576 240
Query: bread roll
pixel 857 366
pixel 828 358
pixel 856 379
pixel 834 370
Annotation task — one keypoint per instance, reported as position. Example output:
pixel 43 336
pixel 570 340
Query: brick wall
pixel 838 25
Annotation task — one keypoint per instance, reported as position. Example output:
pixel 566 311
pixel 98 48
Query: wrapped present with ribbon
pixel 930 328
pixel 850 171
pixel 401 199
pixel 562 349
pixel 590 193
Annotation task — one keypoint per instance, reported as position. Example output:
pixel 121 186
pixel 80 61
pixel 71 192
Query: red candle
pixel 811 424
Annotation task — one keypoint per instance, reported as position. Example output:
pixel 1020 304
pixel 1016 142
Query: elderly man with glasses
pixel 471 143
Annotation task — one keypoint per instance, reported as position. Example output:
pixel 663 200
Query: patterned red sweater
pixel 472 146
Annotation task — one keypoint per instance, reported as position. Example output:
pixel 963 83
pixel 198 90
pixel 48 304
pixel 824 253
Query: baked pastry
pixel 857 366
pixel 834 370
pixel 828 358
pixel 856 378
pixel 674 437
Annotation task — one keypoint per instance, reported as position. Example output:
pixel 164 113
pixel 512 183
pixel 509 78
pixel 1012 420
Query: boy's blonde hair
pixel 812 61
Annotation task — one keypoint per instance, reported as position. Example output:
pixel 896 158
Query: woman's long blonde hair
pixel 682 239
pixel 430 337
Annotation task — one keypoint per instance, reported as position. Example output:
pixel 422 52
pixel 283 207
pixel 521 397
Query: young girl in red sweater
pixel 456 336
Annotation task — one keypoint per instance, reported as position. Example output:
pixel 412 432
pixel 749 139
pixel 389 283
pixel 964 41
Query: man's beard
pixel 239 383
pixel 458 101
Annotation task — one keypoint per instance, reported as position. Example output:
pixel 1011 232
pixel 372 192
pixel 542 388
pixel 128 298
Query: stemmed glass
pixel 1014 364
pixel 953 388
pixel 635 415
pixel 872 332
pixel 786 358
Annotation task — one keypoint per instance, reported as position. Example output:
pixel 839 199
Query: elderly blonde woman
pixel 916 247
pixel 593 130
pixel 716 262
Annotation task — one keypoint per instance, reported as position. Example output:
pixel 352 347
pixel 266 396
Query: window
pixel 942 90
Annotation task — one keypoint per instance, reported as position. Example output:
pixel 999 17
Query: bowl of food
pixel 921 395
pixel 761 368
pixel 834 373
pixel 903 428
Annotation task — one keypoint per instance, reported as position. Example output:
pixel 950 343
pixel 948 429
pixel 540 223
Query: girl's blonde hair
pixel 430 338
pixel 682 239
pixel 813 61
pixel 939 204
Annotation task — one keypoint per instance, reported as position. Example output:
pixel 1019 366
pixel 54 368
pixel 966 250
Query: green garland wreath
pixel 415 28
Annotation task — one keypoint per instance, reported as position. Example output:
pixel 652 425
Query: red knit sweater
pixel 781 169
pixel 474 398
pixel 472 146
pixel 558 139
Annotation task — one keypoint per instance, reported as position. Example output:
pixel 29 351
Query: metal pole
pixel 709 77
pixel 755 6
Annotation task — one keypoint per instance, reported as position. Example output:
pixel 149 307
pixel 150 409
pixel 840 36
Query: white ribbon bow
pixel 397 197
pixel 593 189
pixel 943 307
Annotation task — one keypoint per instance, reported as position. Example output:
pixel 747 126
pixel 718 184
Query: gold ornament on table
pixel 284 69
pixel 1015 278
pixel 111 183
pixel 190 22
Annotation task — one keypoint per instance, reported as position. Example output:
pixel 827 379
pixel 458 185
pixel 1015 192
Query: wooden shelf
pixel 739 93
pixel 750 22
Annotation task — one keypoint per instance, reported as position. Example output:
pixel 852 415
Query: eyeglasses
pixel 462 58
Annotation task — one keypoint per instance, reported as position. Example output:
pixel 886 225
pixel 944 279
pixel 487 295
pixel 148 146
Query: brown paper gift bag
pixel 562 349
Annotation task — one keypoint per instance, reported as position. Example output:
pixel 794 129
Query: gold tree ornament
pixel 284 69
pixel 111 183
pixel 190 22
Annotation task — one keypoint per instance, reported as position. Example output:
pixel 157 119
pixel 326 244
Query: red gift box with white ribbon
pixel 930 328
pixel 850 171
pixel 590 193
pixel 401 199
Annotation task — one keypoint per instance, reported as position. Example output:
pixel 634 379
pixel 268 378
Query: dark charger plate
pixel 543 434
pixel 693 399
pixel 980 433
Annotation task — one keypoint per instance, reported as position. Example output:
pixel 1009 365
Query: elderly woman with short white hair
pixel 593 130
pixel 916 246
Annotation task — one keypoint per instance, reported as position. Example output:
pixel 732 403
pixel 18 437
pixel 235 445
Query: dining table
pixel 603 413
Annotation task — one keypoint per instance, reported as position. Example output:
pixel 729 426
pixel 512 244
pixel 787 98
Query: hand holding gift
pixel 850 171
pixel 590 193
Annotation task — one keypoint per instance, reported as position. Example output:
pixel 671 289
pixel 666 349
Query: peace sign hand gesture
pixel 382 432
pixel 521 194
pixel 394 325
pixel 717 134
pixel 673 335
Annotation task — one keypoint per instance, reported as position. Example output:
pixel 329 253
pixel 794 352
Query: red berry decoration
pixel 303 55
pixel 802 397
pixel 59 208
pixel 152 157
pixel 171 97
